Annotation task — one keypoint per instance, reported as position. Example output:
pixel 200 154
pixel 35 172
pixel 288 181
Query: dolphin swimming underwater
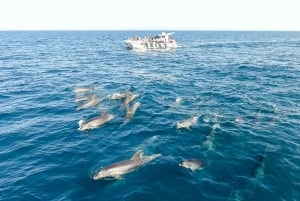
pixel 118 169
pixel 187 123
pixel 209 139
pixel 257 172
pixel 95 122
pixel 259 167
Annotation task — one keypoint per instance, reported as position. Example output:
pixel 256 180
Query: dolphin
pixel 187 123
pixel 257 172
pixel 118 169
pixel 131 110
pixel 209 143
pixel 117 96
pixel 95 122
pixel 209 139
pixel 129 97
pixel 82 98
pixel 83 89
pixel 259 167
pixel 92 101
pixel 192 164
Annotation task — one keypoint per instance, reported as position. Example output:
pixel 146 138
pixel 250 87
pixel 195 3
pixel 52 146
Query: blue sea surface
pixel 243 86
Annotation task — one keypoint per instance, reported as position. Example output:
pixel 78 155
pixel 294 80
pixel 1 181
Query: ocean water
pixel 243 86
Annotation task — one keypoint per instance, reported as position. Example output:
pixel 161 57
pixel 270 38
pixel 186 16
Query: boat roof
pixel 165 34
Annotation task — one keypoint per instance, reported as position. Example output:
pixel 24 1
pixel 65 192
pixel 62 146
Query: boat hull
pixel 142 45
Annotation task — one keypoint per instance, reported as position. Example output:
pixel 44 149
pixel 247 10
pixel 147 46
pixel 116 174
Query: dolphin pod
pixel 116 170
pixel 83 94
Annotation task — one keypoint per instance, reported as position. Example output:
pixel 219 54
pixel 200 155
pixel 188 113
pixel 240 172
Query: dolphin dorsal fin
pixel 137 155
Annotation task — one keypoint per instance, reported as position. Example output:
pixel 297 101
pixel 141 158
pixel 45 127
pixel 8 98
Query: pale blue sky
pixel 149 14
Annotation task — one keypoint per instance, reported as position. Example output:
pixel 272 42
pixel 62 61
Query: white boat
pixel 160 41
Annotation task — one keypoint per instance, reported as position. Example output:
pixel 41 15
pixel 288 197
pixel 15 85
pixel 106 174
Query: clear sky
pixel 150 14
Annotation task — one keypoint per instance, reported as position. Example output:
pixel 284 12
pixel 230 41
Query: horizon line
pixel 224 30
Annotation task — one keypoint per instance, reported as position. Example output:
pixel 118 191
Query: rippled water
pixel 243 86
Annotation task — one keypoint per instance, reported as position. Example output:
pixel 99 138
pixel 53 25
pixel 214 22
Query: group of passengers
pixel 156 39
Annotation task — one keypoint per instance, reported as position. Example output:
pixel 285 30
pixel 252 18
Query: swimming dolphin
pixel 95 122
pixel 257 172
pixel 82 98
pixel 192 164
pixel 117 96
pixel 187 123
pixel 92 101
pixel 118 169
pixel 131 110
pixel 83 89
pixel 129 97
pixel 259 168
pixel 209 139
